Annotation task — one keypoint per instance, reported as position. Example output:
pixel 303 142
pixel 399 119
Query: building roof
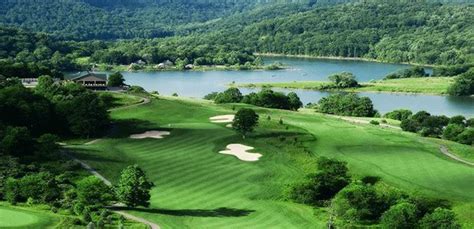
pixel 91 74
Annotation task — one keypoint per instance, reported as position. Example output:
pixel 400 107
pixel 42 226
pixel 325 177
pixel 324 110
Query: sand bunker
pixel 240 151
pixel 151 134
pixel 222 119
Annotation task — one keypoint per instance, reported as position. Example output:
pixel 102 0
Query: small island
pixel 426 85
pixel 411 80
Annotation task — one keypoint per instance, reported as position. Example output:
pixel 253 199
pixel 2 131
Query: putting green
pixel 20 218
pixel 196 187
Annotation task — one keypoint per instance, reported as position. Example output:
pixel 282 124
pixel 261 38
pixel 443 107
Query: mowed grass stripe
pixel 191 174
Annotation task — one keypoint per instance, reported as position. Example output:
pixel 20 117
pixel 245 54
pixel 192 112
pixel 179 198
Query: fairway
pixel 19 218
pixel 196 187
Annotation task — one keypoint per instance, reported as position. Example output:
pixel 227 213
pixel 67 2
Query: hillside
pixel 394 32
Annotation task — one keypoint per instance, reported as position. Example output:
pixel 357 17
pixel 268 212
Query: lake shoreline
pixel 342 58
pixel 206 68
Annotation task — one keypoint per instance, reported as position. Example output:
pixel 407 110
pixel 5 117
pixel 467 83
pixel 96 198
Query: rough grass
pixel 198 188
pixel 426 85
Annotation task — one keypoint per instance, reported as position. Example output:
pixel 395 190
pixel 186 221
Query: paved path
pixel 446 152
pixel 88 168
pixel 107 182
pixel 138 219
pixel 144 101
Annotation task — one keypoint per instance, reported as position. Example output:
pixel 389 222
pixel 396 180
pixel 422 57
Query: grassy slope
pixel 26 218
pixel 122 99
pixel 428 85
pixel 199 188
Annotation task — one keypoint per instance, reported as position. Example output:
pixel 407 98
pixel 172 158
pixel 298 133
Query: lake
pixel 197 83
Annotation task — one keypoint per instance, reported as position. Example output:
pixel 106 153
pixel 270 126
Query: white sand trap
pixel 240 151
pixel 222 119
pixel 229 125
pixel 151 134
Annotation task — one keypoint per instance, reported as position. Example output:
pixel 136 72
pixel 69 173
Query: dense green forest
pixel 426 33
pixel 395 32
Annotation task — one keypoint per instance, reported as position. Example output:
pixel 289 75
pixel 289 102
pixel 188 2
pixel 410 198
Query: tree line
pixel 33 167
pixel 456 128
pixel 265 98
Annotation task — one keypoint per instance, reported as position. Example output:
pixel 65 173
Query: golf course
pixel 199 187
pixel 14 217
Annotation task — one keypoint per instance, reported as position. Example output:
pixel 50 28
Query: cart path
pixel 108 183
pixel 446 152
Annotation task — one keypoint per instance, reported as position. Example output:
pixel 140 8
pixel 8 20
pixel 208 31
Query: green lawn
pixel 14 217
pixel 426 85
pixel 198 188
pixel 122 99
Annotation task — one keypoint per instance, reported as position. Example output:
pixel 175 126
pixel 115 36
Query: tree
pixel 344 80
pixel 41 187
pixel 294 100
pixel 466 137
pixel 17 141
pixel 92 191
pixel 134 188
pixel 358 202
pixel 347 105
pixel 458 119
pixel 332 176
pixel 452 131
pixel 440 218
pixel 400 216
pixel 116 80
pixel 46 86
pixel 231 95
pixel 463 84
pixel 245 121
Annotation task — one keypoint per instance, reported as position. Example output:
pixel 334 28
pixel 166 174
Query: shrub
pixel 440 218
pixel 332 176
pixel 400 216
pixel 347 105
pixel 358 202
pixel 400 115
pixel 374 122
pixel 231 95
pixel 466 137
pixel 463 84
pixel 452 131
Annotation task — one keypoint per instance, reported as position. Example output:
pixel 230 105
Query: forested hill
pixel 429 33
pixel 97 19
pixel 124 19
pixel 113 19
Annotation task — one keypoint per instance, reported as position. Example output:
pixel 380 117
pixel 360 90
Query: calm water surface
pixel 198 84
